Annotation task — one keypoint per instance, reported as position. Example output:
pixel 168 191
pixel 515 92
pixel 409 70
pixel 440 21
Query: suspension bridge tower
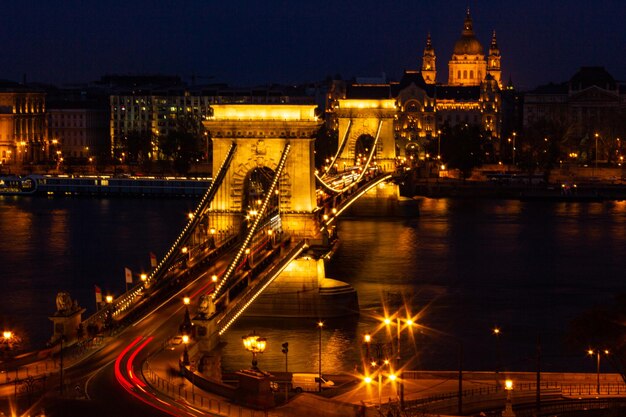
pixel 262 134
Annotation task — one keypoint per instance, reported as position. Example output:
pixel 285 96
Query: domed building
pixel 472 95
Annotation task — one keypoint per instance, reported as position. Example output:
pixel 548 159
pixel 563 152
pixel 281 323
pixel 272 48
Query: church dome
pixel 468 44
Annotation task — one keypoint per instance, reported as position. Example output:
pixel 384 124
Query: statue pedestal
pixel 204 329
pixel 254 390
pixel 65 324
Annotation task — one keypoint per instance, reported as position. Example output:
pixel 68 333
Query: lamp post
pixel 514 136
pixel 285 350
pixel 367 339
pixel 409 324
pixel 597 352
pixel 185 351
pixel 438 145
pixel 496 332
pixel 596 162
pixel 254 344
pixel 187 320
pixel 320 325
pixel 508 408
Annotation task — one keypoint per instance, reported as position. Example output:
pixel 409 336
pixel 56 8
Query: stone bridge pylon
pixel 261 132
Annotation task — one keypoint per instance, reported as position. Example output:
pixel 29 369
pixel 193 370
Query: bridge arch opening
pixel 255 188
pixel 362 148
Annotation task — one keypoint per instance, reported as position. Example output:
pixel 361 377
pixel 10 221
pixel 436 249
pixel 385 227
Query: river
pixel 462 267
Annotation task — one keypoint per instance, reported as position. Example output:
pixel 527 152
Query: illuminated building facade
pixel 424 107
pixel 590 107
pixel 157 109
pixel 78 132
pixel 23 132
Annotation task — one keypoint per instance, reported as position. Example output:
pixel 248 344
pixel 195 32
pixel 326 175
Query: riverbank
pixel 451 188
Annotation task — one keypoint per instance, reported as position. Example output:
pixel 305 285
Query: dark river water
pixel 461 266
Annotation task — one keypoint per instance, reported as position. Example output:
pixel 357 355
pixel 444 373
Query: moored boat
pixel 14 185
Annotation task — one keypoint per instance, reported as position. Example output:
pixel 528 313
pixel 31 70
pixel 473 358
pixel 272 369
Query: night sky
pixel 260 42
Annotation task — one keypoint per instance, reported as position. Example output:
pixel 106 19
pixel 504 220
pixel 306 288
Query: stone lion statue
pixel 206 306
pixel 64 302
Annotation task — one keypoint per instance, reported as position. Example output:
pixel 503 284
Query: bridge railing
pixel 179 392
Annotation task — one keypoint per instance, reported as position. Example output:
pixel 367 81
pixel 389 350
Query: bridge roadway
pixel 111 377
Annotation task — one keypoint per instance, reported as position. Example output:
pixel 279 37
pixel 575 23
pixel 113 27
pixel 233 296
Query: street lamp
pixel 514 136
pixel 367 339
pixel 185 351
pixel 254 344
pixel 596 164
pixel 438 145
pixel 597 352
pixel 320 325
pixel 496 332
pixel 187 320
pixel 508 408
pixel 285 350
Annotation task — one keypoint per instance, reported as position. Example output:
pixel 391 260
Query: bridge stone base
pixel 302 290
pixel 383 201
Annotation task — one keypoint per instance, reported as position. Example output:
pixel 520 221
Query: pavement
pixel 353 398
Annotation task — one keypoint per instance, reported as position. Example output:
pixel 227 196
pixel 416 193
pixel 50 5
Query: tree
pixel 540 147
pixel 184 143
pixel 461 147
pixel 138 145
pixel 602 328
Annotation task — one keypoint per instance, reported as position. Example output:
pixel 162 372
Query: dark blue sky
pixel 256 42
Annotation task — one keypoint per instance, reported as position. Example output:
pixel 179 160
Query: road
pixel 110 379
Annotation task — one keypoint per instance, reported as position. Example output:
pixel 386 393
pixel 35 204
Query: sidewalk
pixel 12 374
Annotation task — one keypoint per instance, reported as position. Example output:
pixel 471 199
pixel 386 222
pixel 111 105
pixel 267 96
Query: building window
pixel 464 74
pixel 471 74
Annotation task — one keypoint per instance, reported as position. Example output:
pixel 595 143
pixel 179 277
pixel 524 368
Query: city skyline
pixel 247 44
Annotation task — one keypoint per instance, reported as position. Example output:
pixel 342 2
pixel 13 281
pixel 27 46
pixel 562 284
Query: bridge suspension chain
pixel 261 213
pixel 340 147
pixel 363 171
pixel 195 219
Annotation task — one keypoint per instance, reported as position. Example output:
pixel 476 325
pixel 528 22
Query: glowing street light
pixel 597 352
pixel 185 351
pixel 109 299
pixel 320 325
pixel 508 408
pixel 254 344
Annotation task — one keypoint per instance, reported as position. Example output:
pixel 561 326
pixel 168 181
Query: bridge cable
pixel 195 219
pixel 253 293
pixel 261 212
pixel 365 166
pixel 340 147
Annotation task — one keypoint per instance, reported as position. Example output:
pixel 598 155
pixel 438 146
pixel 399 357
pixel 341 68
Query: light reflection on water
pixel 464 265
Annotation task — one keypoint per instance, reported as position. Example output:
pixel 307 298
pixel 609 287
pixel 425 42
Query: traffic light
pixel 285 347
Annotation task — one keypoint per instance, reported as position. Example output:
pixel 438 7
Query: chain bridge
pixel 260 233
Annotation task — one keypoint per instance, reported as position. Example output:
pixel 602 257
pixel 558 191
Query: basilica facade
pixel 425 107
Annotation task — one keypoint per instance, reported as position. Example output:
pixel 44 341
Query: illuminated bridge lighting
pixel 261 213
pixel 339 149
pixel 301 246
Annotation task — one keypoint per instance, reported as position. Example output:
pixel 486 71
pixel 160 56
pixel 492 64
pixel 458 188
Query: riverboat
pixel 14 185
pixel 126 186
